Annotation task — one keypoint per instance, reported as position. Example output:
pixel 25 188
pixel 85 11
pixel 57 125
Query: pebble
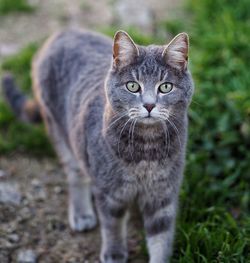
pixel 14 238
pixel 5 244
pixel 36 183
pixel 24 214
pixel 38 192
pixel 3 174
pixel 9 194
pixel 26 256
pixel 58 190
pixel 4 256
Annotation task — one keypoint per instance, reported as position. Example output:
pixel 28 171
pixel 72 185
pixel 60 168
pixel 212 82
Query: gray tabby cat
pixel 119 127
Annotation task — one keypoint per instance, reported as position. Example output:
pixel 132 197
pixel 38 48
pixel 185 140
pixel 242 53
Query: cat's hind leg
pixel 80 206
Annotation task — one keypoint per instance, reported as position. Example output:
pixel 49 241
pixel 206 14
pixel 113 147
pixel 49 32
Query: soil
pixel 38 219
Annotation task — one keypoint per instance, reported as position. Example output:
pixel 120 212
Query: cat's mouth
pixel 145 118
pixel 149 119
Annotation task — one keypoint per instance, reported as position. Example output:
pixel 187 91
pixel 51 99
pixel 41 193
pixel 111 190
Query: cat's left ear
pixel 124 49
pixel 176 52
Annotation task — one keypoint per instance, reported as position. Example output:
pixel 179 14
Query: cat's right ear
pixel 124 49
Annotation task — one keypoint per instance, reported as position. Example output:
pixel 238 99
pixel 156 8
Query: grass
pixel 8 6
pixel 16 136
pixel 214 217
pixel 214 220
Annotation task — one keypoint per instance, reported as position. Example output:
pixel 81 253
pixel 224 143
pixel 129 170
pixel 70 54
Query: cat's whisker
pixel 168 113
pixel 119 139
pixel 116 120
pixel 133 134
pixel 197 103
pixel 163 116
pixel 164 110
pixel 133 112
pixel 174 117
pixel 133 109
pixel 167 137
pixel 176 131
pixel 129 136
pixel 133 116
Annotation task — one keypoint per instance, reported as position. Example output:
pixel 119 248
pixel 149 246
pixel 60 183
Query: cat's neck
pixel 134 141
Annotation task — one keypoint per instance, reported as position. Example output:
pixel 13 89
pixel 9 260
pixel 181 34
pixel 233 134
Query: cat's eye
pixel 133 86
pixel 166 87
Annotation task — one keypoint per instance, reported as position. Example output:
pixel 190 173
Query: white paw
pixel 80 223
pixel 115 257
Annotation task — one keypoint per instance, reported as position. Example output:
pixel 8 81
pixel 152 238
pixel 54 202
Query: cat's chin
pixel 149 120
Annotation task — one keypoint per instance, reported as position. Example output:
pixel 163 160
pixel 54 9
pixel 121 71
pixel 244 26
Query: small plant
pixel 8 6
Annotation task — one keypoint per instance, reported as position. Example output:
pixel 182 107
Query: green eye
pixel 166 87
pixel 133 86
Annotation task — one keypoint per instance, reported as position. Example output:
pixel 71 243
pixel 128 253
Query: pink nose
pixel 149 107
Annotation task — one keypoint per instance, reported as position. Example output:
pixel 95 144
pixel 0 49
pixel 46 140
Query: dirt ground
pixel 33 216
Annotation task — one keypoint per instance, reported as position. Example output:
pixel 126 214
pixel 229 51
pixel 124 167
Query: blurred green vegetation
pixel 16 136
pixel 138 37
pixel 214 218
pixel 214 221
pixel 8 6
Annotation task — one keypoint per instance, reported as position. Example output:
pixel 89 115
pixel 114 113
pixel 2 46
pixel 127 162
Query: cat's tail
pixel 25 109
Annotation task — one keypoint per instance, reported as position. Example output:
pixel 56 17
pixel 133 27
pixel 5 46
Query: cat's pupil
pixel 165 87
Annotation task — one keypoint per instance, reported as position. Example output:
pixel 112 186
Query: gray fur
pixel 100 132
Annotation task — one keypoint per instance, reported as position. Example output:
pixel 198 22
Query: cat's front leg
pixel 159 222
pixel 113 218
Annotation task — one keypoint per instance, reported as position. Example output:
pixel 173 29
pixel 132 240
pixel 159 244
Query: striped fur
pixel 25 109
pixel 104 135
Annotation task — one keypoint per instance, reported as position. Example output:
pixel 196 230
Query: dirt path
pixel 33 216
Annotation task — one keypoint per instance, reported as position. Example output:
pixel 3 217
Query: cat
pixel 116 113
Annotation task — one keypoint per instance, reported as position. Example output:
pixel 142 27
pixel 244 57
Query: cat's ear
pixel 176 52
pixel 124 49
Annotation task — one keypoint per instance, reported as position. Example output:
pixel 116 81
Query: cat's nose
pixel 149 107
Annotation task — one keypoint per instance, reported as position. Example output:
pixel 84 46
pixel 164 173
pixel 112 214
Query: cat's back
pixel 70 60
pixel 67 53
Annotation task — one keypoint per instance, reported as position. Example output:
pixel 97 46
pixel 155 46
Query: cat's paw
pixel 80 222
pixel 114 257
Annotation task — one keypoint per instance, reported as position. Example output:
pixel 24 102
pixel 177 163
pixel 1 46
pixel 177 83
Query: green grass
pixel 8 6
pixel 16 136
pixel 214 217
pixel 214 220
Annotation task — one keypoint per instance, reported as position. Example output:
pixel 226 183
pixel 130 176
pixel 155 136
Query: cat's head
pixel 149 83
